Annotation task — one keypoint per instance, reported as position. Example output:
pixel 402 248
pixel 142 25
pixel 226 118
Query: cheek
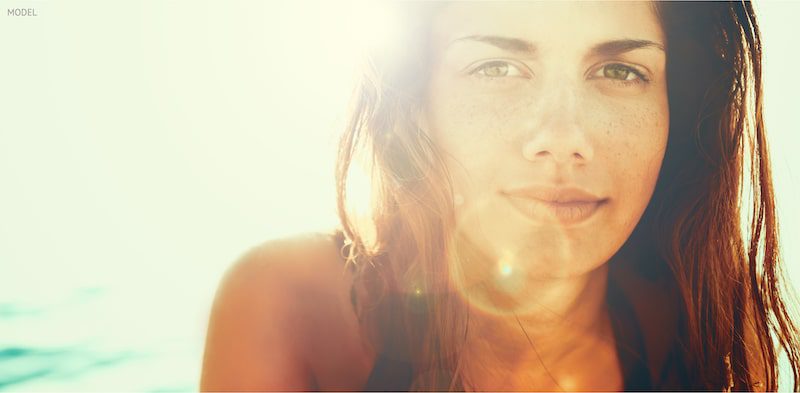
pixel 635 157
pixel 641 151
pixel 473 135
pixel 465 121
pixel 465 125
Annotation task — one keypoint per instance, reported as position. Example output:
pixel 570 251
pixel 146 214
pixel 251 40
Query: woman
pixel 557 198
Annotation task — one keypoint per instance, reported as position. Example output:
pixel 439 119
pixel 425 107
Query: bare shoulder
pixel 301 261
pixel 281 320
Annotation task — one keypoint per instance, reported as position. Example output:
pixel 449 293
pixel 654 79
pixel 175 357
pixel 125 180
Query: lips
pixel 564 205
pixel 554 194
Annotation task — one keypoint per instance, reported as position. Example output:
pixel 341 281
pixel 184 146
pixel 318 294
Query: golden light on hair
pixel 360 201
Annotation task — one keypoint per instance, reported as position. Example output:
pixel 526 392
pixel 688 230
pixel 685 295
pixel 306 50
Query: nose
pixel 553 129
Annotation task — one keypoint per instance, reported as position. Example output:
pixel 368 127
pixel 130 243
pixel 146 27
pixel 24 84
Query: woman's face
pixel 554 118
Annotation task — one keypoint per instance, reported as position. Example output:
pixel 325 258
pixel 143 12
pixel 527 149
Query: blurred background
pixel 144 146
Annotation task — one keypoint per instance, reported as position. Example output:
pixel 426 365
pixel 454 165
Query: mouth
pixel 567 207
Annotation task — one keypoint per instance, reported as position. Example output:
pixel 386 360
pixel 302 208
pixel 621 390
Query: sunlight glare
pixel 368 26
pixel 359 200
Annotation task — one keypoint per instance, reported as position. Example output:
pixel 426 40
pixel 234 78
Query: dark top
pixel 644 324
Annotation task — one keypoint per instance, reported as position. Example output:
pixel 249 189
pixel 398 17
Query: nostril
pixel 561 153
pixel 532 155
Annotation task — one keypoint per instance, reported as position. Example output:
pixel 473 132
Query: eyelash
pixel 487 64
pixel 640 77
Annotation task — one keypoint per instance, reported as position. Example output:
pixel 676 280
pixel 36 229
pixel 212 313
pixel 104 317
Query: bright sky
pixel 147 144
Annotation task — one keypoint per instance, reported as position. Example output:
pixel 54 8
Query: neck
pixel 565 310
pixel 542 335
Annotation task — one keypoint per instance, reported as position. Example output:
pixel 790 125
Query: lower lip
pixel 567 213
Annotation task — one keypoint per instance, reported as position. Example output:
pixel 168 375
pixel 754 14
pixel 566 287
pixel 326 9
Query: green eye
pixel 495 69
pixel 622 72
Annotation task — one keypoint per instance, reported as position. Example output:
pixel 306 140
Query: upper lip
pixel 554 194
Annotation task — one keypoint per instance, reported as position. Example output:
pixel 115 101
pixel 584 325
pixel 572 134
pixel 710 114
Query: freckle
pixel 642 118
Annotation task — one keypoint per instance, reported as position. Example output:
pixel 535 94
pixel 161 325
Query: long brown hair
pixel 716 172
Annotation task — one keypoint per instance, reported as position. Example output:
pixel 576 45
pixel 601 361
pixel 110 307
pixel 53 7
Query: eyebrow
pixel 607 48
pixel 505 43
pixel 616 47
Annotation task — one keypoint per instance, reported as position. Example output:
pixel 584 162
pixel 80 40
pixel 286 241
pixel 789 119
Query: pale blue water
pixel 103 339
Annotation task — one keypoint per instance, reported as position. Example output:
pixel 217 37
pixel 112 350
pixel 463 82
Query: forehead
pixel 550 24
